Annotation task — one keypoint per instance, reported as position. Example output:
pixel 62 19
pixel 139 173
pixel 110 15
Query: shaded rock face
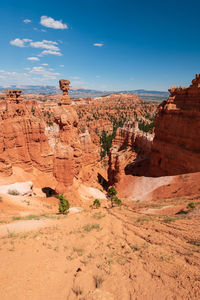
pixel 130 136
pixel 116 164
pixel 176 146
pixel 130 153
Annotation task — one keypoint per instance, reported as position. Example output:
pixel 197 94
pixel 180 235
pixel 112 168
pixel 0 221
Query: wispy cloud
pixel 45 45
pixel 44 64
pixel 98 44
pixel 27 21
pixel 33 58
pixel 45 73
pixel 61 66
pixel 51 52
pixel 51 23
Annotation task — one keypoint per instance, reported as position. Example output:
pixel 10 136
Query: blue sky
pixel 100 44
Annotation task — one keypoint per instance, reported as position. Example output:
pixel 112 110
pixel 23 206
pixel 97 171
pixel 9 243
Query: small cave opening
pixel 49 191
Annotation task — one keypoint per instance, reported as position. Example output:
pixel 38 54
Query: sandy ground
pixel 146 249
pixel 117 253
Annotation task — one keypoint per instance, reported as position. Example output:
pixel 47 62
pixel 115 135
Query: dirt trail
pixel 103 254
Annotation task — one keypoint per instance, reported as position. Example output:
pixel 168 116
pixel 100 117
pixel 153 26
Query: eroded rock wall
pixel 23 141
pixel 176 146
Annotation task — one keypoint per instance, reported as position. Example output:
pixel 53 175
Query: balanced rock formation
pixel 176 146
pixel 74 150
pixel 64 86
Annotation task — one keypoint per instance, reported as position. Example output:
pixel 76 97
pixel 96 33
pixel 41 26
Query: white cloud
pixel 27 21
pixel 51 23
pixel 49 46
pixel 51 52
pixel 43 72
pixel 34 76
pixel 33 58
pixel 98 44
pixel 61 66
pixel 18 42
pixel 44 64
pixel 45 45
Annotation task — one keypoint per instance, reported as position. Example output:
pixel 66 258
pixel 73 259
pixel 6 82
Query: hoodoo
pixel 64 86
pixel 13 96
pixel 176 146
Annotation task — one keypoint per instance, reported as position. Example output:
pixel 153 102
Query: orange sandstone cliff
pixel 176 146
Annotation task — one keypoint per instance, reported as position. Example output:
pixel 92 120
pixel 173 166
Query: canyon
pixel 79 147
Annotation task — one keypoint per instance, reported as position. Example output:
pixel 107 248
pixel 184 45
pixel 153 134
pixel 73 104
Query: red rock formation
pixel 176 146
pixel 73 151
pixel 14 96
pixel 51 137
pixel 67 157
pixel 64 86
pixel 22 140
pixel 130 152
pixel 45 137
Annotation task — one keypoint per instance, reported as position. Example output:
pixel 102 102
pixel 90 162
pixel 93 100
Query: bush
pixel 96 203
pixel 191 205
pixel 117 201
pixel 63 204
pixel 112 196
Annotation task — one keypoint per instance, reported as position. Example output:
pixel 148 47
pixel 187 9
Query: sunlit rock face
pixel 45 137
pixel 176 146
pixel 23 142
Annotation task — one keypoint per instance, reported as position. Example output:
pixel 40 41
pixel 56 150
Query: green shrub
pixel 146 127
pixel 96 203
pixel 63 204
pixel 112 196
pixel 191 205
pixel 117 201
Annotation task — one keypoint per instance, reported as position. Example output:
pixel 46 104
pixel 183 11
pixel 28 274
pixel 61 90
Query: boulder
pixel 17 188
